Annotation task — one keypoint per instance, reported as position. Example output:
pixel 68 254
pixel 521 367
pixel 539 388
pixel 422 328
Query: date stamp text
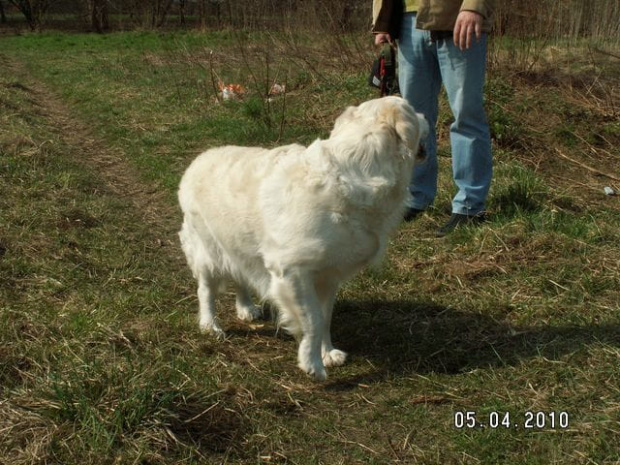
pixel 507 420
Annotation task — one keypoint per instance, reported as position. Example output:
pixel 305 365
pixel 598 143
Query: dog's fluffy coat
pixel 294 222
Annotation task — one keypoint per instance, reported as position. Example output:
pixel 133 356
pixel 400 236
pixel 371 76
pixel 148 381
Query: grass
pixel 101 360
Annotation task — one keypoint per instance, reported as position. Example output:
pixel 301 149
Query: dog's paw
pixel 213 329
pixel 249 312
pixel 318 373
pixel 334 358
pixel 316 370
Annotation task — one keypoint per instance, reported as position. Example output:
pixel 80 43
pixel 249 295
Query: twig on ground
pixel 605 52
pixel 589 168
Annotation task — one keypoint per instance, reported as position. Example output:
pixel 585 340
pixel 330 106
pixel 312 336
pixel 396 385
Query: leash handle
pixel 386 65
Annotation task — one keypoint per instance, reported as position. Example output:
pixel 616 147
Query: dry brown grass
pixel 100 357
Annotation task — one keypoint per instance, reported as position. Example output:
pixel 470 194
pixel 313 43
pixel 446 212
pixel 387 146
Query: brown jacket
pixel 432 15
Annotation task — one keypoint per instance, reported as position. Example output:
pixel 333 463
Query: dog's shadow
pixel 406 337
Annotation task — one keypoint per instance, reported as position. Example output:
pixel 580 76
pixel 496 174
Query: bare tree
pixel 202 13
pixel 2 15
pixel 147 13
pixel 159 11
pixel 33 10
pixel 210 9
pixel 182 4
pixel 216 8
pixel 99 17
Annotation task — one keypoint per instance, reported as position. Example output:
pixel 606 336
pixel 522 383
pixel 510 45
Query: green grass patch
pixel 101 360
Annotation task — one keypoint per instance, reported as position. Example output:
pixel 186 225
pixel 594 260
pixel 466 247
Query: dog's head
pixel 391 115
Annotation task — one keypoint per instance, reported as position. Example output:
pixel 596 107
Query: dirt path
pixel 118 175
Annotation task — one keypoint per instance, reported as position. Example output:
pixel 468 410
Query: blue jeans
pixel 423 66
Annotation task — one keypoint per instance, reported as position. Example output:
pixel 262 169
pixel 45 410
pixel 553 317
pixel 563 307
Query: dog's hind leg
pixel 327 290
pixel 201 264
pixel 246 310
pixel 207 293
pixel 295 295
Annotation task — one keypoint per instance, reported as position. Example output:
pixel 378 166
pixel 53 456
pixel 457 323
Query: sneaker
pixel 457 220
pixel 412 213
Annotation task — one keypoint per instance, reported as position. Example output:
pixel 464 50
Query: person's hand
pixel 382 38
pixel 468 24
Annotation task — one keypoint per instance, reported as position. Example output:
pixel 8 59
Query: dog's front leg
pixel 301 314
pixel 327 290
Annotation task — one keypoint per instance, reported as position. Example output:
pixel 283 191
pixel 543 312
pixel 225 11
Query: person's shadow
pixel 401 337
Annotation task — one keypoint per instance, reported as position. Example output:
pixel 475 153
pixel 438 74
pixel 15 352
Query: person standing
pixel 444 42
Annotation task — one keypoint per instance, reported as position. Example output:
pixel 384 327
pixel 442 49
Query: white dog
pixel 294 222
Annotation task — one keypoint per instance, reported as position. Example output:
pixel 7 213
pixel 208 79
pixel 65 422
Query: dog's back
pixel 222 227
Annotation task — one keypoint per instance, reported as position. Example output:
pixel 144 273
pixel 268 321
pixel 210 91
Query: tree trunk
pixel 99 16
pixel 2 15
pixel 28 9
pixel 345 17
pixel 163 9
pixel 182 11
pixel 218 13
pixel 202 12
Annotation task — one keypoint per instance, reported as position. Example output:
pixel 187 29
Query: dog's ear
pixel 410 127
